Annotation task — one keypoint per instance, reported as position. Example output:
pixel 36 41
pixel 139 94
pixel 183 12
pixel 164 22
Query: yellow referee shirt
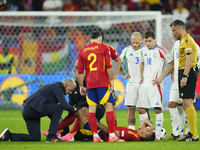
pixel 186 46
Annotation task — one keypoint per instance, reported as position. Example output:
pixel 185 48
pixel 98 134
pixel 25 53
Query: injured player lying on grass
pixel 81 130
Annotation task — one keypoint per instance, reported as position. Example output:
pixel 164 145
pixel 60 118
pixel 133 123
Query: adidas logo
pixel 131 54
pixel 159 125
pixel 188 139
pixel 75 92
pixel 145 54
pixel 181 94
pixel 157 103
pixel 177 129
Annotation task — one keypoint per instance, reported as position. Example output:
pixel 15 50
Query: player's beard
pixel 138 47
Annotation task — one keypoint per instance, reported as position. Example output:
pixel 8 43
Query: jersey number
pixel 148 61
pixel 94 60
pixel 137 60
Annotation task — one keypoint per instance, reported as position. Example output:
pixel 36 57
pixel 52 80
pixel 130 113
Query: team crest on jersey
pixel 154 55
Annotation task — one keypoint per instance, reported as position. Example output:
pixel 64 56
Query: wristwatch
pixel 185 76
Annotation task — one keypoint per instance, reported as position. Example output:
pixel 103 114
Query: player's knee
pixel 142 110
pixel 131 108
pixel 37 138
pixel 172 105
pixel 158 110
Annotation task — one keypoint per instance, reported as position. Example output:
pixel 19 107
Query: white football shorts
pixel 174 96
pixel 150 96
pixel 131 96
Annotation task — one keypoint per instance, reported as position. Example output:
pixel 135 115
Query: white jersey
pixel 134 58
pixel 174 54
pixel 154 61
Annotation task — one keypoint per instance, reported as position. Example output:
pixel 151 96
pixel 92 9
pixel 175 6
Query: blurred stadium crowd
pixel 41 49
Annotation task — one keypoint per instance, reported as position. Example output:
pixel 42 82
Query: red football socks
pixel 92 122
pixel 110 119
pixel 75 127
pixel 67 121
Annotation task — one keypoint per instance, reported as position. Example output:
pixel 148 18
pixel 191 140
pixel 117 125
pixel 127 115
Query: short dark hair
pixel 96 34
pixel 149 137
pixel 178 22
pixel 102 35
pixel 149 34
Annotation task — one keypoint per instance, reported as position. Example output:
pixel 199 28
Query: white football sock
pixel 159 123
pixel 95 135
pixel 131 127
pixel 174 120
pixel 112 134
pixel 187 127
pixel 181 119
pixel 143 117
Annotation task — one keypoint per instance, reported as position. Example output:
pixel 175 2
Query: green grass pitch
pixel 12 119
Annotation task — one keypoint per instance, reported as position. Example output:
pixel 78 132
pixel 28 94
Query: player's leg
pixel 159 121
pixel 143 103
pixel 131 117
pixel 181 120
pixel 130 101
pixel 92 100
pixel 68 120
pixel 108 99
pixel 172 105
pixel 187 94
pixel 155 96
pixel 82 119
pixel 187 127
pixel 148 113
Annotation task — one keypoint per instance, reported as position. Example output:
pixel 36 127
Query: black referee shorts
pixel 188 92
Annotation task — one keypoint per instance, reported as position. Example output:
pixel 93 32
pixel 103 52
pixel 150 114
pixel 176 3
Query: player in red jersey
pixel 144 133
pixel 95 60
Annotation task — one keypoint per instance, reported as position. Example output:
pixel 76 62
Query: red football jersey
pixel 128 134
pixel 113 53
pixel 95 59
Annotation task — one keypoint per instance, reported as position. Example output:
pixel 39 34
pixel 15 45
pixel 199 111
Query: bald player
pixel 132 54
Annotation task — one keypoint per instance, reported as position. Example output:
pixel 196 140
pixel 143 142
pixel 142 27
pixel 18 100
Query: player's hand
pixel 183 82
pixel 82 91
pixel 156 81
pixel 111 86
pixel 127 76
pixel 141 81
pixel 75 109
